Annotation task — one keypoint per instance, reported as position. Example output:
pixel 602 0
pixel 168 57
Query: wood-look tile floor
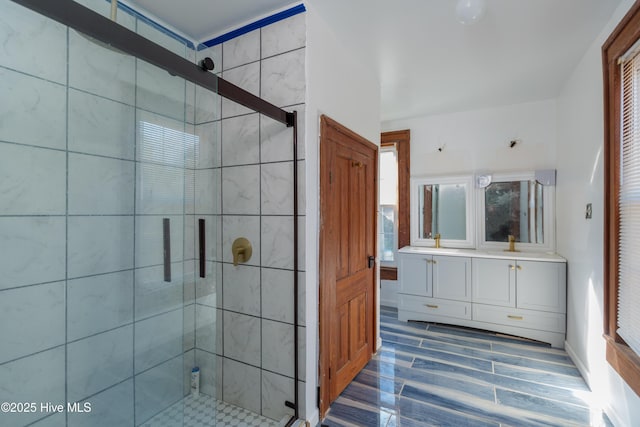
pixel 430 374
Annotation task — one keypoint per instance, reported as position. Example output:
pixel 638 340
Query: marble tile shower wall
pixel 251 363
pixel 92 157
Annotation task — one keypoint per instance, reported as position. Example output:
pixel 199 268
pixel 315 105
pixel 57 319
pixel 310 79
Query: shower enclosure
pixel 113 243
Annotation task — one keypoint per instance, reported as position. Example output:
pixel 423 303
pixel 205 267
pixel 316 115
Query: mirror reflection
pixel 443 211
pixel 514 208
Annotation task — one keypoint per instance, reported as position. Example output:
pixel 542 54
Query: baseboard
pixel 314 420
pixel 389 302
pixel 613 415
pixel 579 364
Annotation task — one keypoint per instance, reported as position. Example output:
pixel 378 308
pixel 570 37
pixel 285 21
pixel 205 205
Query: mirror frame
pixel 548 218
pixel 416 182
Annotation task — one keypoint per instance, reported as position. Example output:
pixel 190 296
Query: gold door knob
pixel 241 250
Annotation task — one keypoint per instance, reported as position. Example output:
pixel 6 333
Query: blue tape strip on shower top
pixel 155 25
pixel 253 26
pixel 220 39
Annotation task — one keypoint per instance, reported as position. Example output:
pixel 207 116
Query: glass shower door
pixel 175 246
pixel 160 363
pixel 99 191
pixel 175 300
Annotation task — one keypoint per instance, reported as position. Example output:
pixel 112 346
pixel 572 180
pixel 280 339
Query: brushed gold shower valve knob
pixel 241 250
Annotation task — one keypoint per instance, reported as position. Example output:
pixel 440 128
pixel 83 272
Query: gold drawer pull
pixel 513 267
pixel 511 316
pixel 519 267
pixel 431 306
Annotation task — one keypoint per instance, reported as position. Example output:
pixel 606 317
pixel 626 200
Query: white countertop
pixel 482 253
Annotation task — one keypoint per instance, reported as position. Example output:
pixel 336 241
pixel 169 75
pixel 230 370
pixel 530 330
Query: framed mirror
pixel 517 205
pixel 444 206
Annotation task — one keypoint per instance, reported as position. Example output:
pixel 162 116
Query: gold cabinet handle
pixel 429 261
pixel 511 316
pixel 519 267
pixel 512 267
pixel 431 306
pixel 434 262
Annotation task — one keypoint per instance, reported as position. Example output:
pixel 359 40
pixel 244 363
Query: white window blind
pixel 629 204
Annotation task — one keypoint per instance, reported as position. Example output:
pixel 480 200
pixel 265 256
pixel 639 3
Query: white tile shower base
pixel 205 411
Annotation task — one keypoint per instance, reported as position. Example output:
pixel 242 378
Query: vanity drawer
pixel 435 307
pixel 531 319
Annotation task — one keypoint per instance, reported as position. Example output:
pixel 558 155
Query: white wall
pixel 479 140
pixel 389 293
pixel 346 91
pixel 476 141
pixel 580 181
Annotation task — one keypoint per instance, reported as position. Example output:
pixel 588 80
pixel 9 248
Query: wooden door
pixel 348 189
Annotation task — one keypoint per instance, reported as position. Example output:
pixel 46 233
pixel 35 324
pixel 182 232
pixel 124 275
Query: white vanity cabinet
pixel 435 285
pixel 541 286
pixel 494 281
pixel 436 276
pixel 517 283
pixel 416 272
pixel 521 294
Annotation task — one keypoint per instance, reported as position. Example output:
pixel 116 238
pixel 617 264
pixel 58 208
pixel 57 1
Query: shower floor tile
pixel 205 411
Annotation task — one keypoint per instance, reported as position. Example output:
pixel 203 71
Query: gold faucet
pixel 437 239
pixel 512 244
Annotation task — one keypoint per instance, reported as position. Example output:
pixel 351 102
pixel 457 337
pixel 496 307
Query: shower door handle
pixel 202 247
pixel 166 242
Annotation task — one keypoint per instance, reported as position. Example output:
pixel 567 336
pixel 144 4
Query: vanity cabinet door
pixel 415 275
pixel 494 281
pixel 542 286
pixel 451 277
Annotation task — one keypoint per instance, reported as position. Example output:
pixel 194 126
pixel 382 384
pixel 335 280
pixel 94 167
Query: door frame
pixel 326 263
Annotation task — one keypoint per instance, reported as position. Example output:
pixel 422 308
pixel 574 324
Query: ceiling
pixel 201 20
pixel 427 62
